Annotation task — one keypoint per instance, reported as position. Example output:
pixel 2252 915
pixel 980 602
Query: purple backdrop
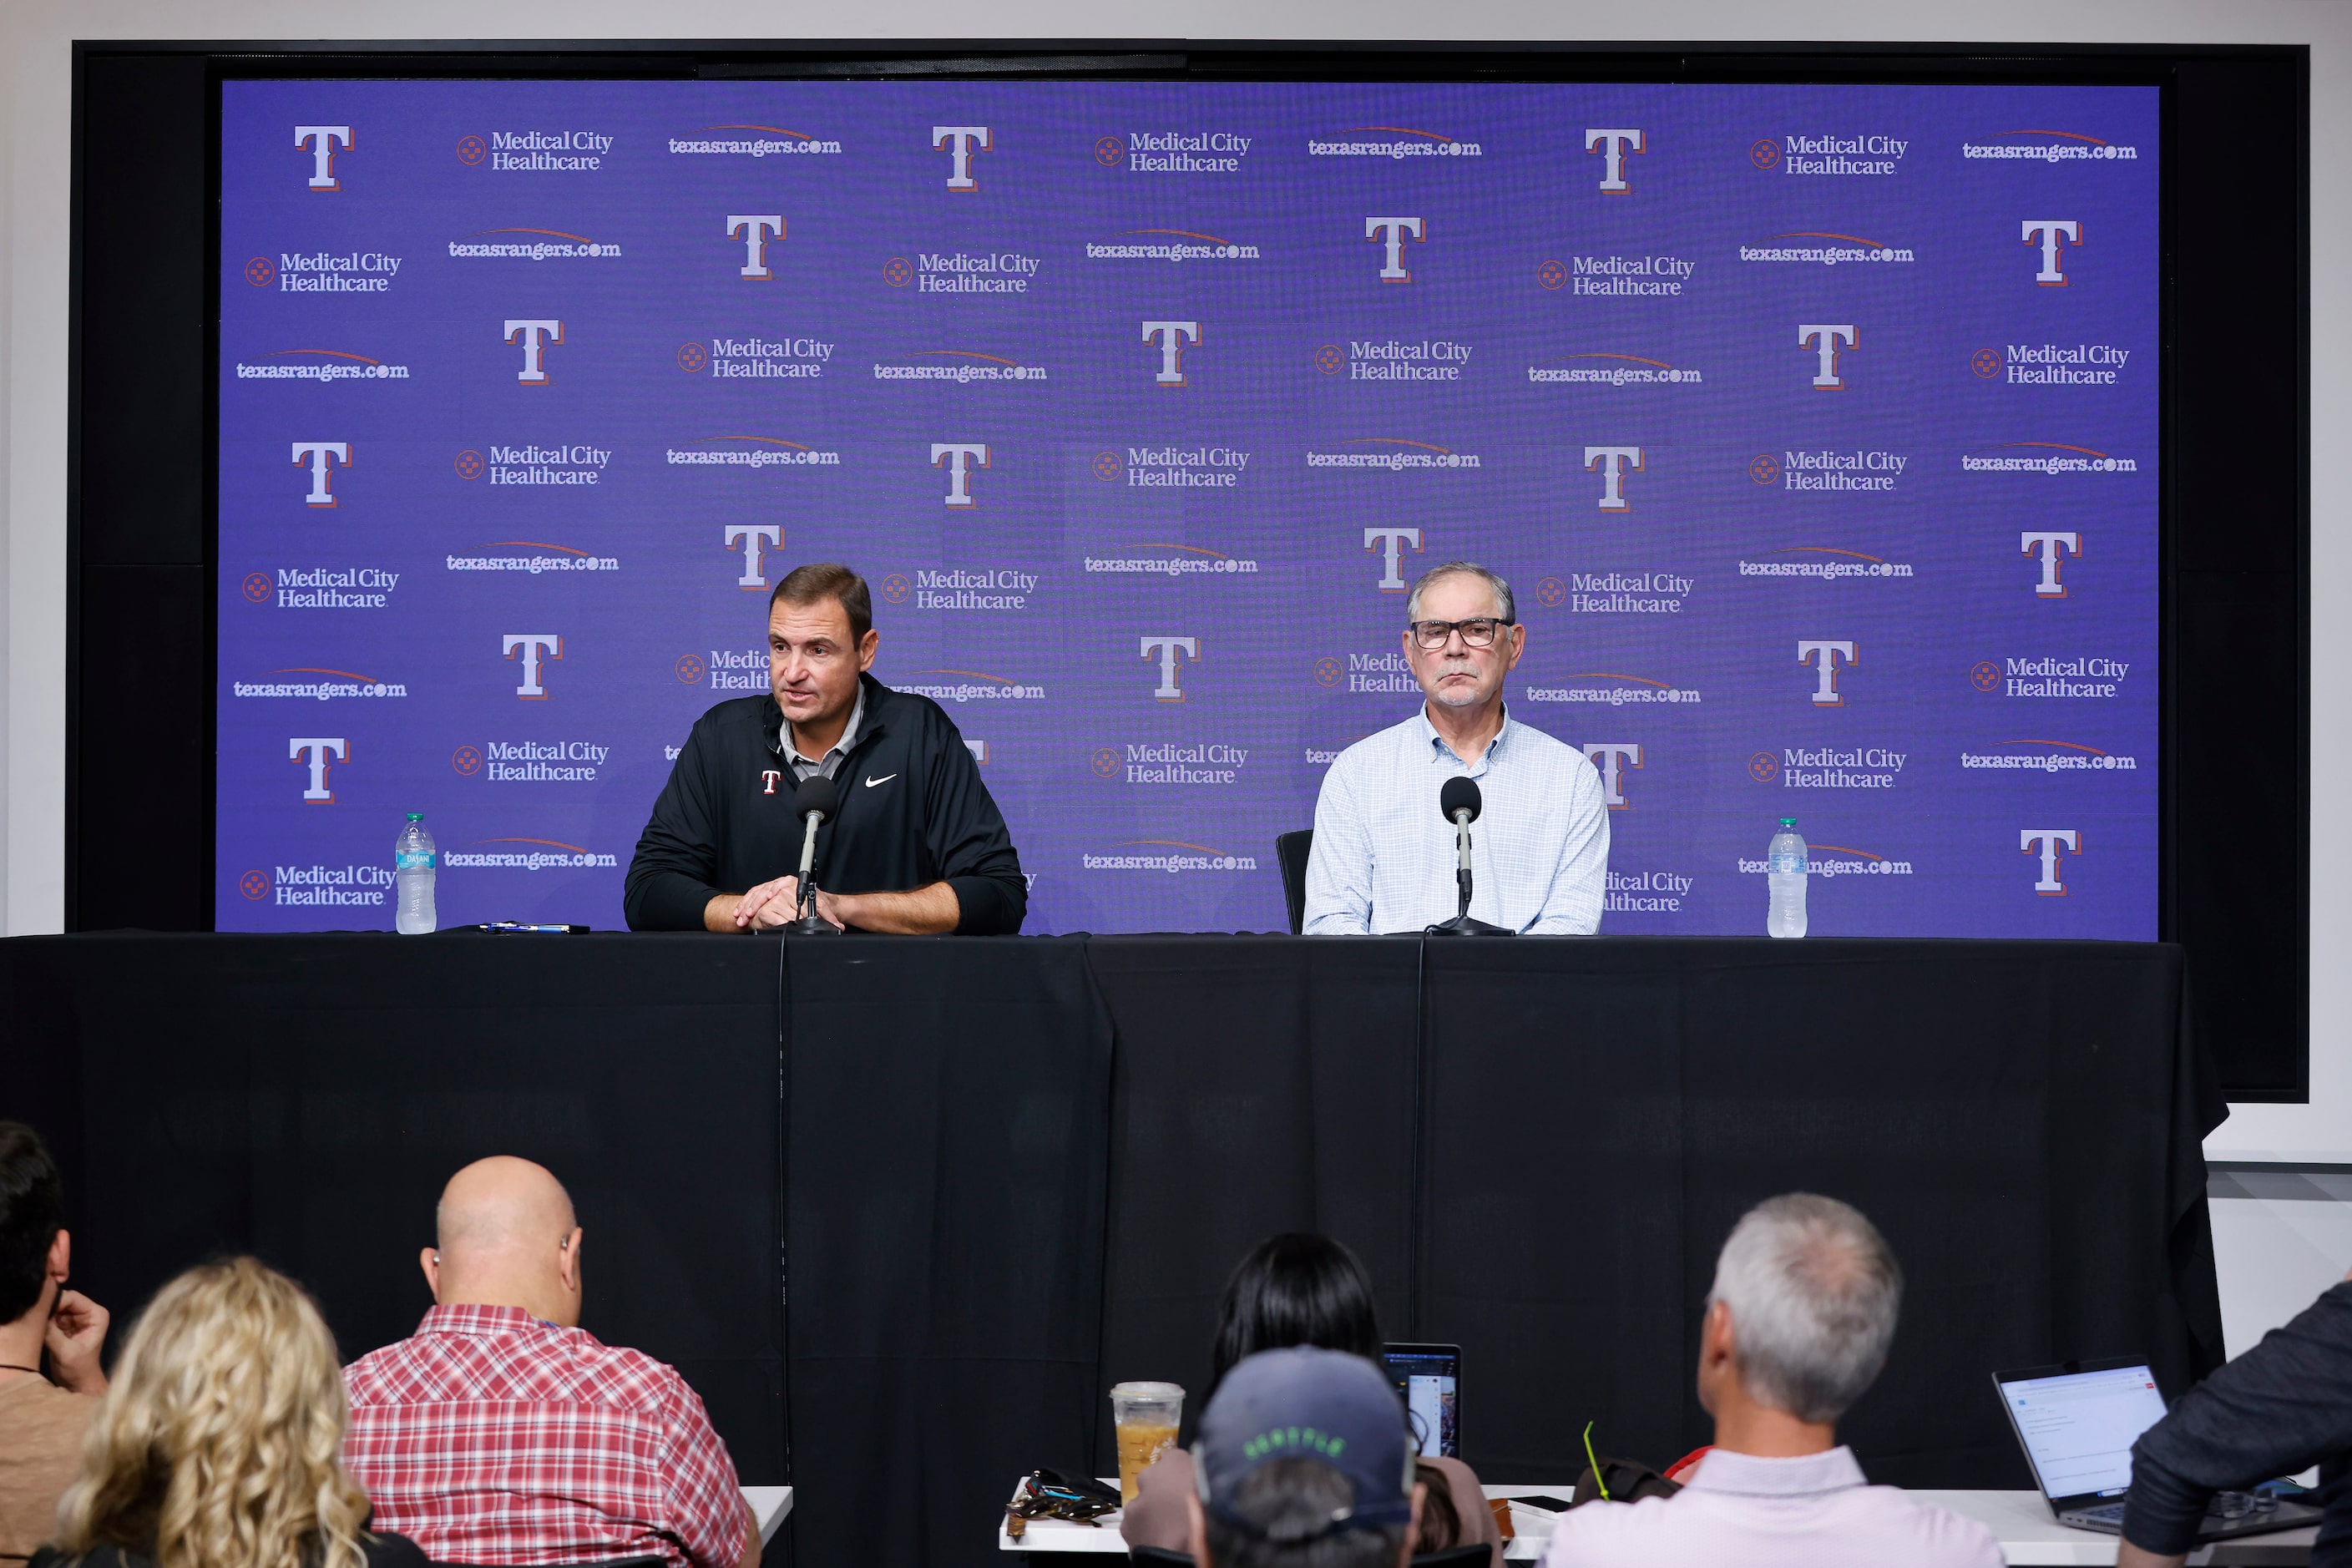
pixel 1139 404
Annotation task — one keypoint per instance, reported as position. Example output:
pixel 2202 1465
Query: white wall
pixel 37 36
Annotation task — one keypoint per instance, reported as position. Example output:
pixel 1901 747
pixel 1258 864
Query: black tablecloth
pixel 959 1186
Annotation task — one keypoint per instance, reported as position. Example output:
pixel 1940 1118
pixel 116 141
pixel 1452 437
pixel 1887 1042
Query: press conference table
pixel 999 1175
pixel 2020 1521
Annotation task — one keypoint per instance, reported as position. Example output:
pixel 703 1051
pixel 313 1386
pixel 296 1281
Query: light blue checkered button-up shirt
pixel 1384 859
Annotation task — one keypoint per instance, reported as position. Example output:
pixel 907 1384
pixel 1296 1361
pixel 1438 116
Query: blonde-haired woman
pixel 218 1444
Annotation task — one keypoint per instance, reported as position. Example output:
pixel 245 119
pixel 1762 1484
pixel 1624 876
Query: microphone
pixel 815 802
pixel 1460 802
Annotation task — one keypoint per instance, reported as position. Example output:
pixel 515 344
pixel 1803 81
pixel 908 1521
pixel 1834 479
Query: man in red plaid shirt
pixel 498 1432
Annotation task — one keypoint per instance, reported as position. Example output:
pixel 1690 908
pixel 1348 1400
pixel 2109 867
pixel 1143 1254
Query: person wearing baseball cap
pixel 1303 1457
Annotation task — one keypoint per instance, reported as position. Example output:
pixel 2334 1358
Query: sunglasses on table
pixel 1049 1494
pixel 1430 636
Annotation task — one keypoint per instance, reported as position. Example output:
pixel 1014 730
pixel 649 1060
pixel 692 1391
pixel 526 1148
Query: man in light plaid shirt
pixel 499 1433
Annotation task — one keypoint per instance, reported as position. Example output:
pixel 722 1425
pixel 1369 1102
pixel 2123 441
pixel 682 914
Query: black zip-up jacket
pixel 914 811
pixel 2285 1404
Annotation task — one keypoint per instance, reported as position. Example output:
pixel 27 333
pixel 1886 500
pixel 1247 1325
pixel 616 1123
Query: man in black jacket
pixel 917 847
pixel 2284 1405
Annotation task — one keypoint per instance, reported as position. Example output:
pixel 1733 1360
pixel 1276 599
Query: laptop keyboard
pixel 2106 1513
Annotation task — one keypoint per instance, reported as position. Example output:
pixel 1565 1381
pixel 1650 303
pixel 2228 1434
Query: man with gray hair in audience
pixel 1797 1328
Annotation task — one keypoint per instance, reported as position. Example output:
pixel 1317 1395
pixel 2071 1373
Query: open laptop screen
pixel 1430 1378
pixel 2079 1427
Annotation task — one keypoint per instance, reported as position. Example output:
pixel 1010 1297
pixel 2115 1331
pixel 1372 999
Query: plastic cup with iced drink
pixel 1145 1415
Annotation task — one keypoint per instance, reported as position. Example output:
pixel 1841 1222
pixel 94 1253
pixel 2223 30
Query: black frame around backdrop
pixel 143 530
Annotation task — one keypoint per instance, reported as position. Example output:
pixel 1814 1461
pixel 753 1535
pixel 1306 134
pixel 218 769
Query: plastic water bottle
pixel 413 862
pixel 1784 868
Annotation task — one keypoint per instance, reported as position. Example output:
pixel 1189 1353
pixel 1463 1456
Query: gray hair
pixel 1460 569
pixel 1814 1291
pixel 1288 1504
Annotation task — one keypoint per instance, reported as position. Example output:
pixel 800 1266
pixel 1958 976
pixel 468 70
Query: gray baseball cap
pixel 1329 1406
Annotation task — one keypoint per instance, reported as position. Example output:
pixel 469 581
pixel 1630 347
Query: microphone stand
pixel 1462 924
pixel 810 923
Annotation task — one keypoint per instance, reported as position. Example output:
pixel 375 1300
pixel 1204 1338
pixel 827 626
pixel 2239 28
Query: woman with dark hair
pixel 1301 1288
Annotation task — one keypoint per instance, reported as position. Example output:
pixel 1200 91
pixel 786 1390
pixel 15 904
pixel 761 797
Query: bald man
pixel 499 1433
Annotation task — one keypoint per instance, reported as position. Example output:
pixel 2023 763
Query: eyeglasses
pixel 1430 636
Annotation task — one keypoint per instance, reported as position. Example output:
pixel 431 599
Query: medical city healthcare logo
pixel 1829 767
pixel 1172 467
pixel 975 585
pixel 1837 154
pixel 325 272
pixel 2083 676
pixel 1380 674
pixel 1174 152
pixel 963 272
pixel 729 357
pixel 339 887
pixel 1405 359
pixel 2051 364
pixel 1859 468
pixel 579 151
pixel 1657 276
pixel 323 587
pixel 532 464
pixel 1158 763
pixel 1616 594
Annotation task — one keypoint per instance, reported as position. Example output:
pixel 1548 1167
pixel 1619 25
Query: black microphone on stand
pixel 813 803
pixel 1459 802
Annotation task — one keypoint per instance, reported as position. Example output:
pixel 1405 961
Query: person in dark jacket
pixel 2283 1406
pixel 915 846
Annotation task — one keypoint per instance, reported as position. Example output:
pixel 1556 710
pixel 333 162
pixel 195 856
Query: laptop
pixel 2077 1424
pixel 1429 1377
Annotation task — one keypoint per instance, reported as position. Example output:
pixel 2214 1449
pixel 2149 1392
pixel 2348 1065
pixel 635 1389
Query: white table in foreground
pixel 770 1504
pixel 2022 1523
pixel 1060 1535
